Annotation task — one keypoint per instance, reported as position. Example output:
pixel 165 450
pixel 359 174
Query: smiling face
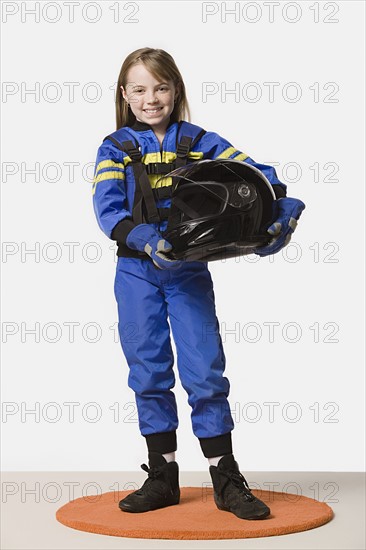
pixel 151 100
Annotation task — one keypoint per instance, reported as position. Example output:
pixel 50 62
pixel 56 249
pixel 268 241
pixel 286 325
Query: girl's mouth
pixel 152 111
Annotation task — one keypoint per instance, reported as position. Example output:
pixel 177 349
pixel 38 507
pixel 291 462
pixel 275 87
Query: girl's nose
pixel 152 98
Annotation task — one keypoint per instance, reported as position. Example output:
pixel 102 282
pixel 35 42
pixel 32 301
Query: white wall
pixel 312 372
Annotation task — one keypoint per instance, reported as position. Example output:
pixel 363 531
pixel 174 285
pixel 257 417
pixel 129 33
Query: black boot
pixel 159 490
pixel 232 493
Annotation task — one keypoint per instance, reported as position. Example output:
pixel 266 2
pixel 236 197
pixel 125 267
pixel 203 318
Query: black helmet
pixel 219 209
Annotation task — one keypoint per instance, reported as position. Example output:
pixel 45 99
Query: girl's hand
pixel 287 211
pixel 145 238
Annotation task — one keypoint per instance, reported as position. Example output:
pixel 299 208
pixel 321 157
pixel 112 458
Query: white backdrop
pixel 292 325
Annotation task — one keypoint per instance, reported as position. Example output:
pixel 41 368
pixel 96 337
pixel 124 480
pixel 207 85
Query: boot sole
pixel 225 509
pixel 175 500
pixel 135 511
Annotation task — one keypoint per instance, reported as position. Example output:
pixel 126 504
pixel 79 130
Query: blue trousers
pixel 146 298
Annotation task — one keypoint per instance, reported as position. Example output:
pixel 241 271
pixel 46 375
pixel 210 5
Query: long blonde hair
pixel 162 66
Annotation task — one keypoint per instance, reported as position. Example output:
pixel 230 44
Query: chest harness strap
pixel 144 208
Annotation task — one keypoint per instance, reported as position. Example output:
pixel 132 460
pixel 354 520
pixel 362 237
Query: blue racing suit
pixel 147 296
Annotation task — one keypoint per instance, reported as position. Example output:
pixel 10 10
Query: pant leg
pixel 200 354
pixel 145 339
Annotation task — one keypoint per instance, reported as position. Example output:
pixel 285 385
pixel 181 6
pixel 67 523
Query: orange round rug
pixel 196 517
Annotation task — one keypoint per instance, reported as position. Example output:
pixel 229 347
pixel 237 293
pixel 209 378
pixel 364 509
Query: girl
pixel 152 138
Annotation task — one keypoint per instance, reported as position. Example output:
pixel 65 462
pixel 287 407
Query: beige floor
pixel 30 500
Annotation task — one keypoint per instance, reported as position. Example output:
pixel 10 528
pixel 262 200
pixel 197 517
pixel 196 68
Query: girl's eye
pixel 164 88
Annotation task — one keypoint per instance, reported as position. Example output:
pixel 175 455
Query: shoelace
pixel 239 481
pixel 153 473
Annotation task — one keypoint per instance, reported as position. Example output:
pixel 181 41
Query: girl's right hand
pixel 145 238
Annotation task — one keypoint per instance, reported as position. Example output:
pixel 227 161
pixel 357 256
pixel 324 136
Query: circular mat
pixel 196 517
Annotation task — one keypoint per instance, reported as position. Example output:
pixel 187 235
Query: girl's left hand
pixel 286 213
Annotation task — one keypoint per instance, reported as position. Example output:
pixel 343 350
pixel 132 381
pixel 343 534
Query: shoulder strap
pixel 189 135
pixel 126 145
pixel 143 191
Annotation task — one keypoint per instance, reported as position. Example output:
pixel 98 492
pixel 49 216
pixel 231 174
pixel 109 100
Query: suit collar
pixel 143 126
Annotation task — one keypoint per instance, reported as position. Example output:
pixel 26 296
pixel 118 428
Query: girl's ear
pixel 177 92
pixel 123 93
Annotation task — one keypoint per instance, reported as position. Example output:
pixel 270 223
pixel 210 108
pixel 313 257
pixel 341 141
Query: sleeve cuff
pixel 279 191
pixel 121 230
